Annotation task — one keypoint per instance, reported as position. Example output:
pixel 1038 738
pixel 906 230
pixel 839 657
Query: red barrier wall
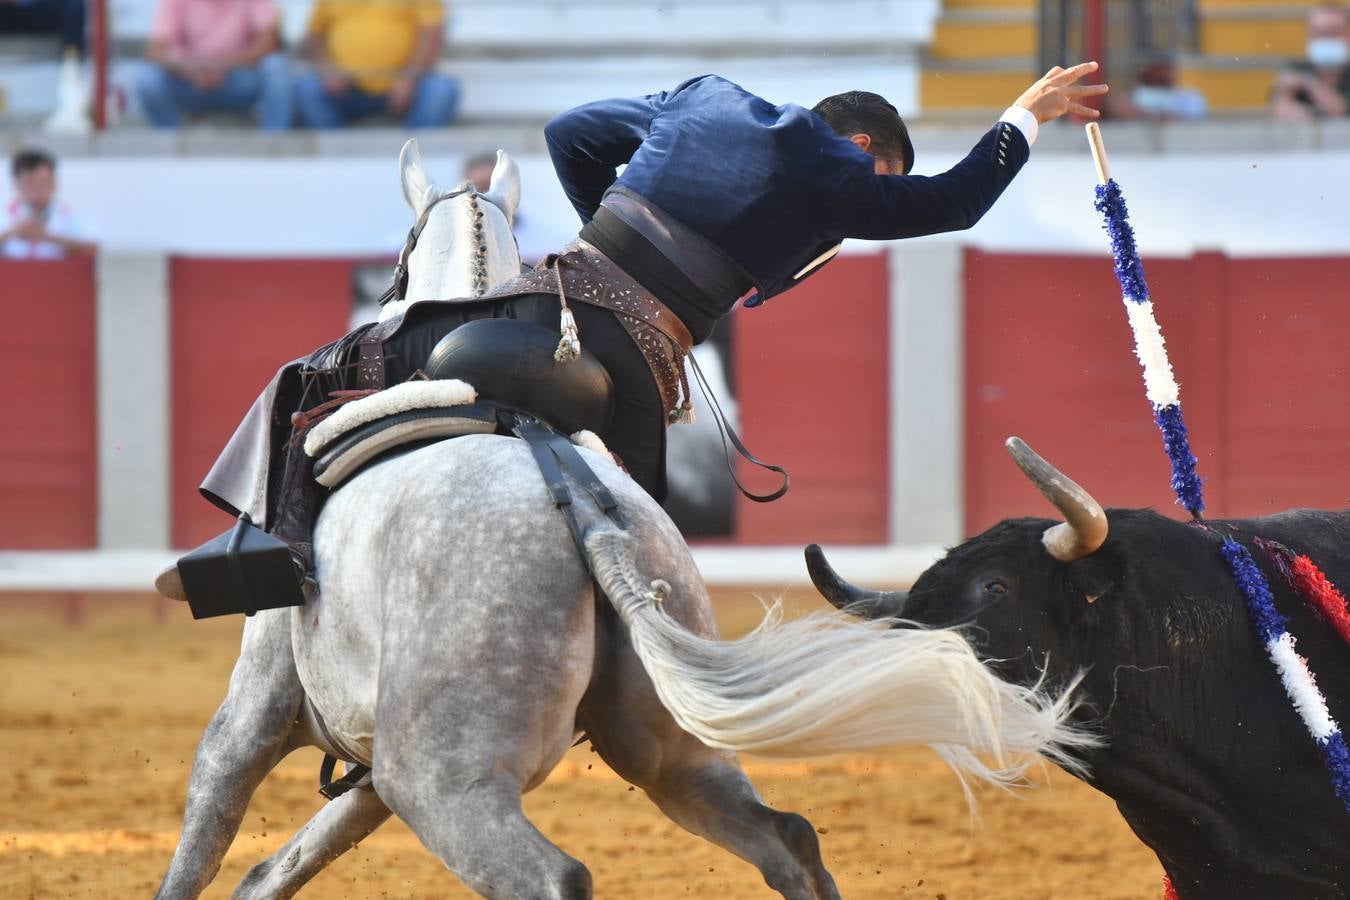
pixel 1257 346
pixel 812 379
pixel 233 323
pixel 49 449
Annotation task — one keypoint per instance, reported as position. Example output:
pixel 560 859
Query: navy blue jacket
pixel 773 187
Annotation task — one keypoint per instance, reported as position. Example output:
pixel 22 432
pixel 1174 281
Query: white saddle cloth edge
pixel 591 441
pixel 396 435
pixel 397 399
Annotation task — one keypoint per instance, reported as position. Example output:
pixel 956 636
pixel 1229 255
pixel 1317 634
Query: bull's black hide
pixel 1205 757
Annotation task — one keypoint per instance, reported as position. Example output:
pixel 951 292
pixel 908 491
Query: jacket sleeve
pixel 589 143
pixel 889 207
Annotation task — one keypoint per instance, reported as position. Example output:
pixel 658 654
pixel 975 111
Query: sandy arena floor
pixel 99 722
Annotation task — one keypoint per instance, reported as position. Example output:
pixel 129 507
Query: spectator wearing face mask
pixel 1156 94
pixel 1318 87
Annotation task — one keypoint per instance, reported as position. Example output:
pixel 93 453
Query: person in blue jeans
pixel 215 55
pixel 432 103
pixel 376 57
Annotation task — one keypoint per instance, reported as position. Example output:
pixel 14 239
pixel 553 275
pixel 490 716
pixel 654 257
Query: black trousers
pixel 637 433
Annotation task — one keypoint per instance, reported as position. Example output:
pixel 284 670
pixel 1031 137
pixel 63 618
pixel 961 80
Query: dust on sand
pixel 99 722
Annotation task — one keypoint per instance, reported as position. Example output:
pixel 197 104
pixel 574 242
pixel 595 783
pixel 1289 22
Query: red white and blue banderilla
pixel 1165 396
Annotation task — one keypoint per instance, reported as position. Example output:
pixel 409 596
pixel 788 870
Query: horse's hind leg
pixel 245 739
pixel 456 743
pixel 701 789
pixel 335 829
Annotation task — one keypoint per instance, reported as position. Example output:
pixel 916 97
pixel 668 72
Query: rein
pixel 728 434
pixel 399 289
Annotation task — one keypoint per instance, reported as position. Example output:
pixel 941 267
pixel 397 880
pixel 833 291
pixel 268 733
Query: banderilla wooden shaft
pixel 1094 135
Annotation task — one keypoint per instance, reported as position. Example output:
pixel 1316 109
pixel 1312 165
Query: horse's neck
pixel 447 264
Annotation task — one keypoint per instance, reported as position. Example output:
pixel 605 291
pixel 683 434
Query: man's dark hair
pixel 486 158
pixel 28 160
pixel 862 112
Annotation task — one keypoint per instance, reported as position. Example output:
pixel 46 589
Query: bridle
pixel 399 289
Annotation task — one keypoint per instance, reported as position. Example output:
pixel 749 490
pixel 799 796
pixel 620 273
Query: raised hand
pixel 1059 92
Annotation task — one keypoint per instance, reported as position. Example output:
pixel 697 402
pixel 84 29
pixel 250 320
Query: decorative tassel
pixel 1321 594
pixel 1159 383
pixel 683 414
pixel 1298 681
pixel 1129 270
pixel 569 346
pixel 1164 396
pixel 1312 585
pixel 1186 482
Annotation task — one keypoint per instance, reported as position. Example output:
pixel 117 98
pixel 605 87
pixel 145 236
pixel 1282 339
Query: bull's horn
pixel 862 603
pixel 1084 527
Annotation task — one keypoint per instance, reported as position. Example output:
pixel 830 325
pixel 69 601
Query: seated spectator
pixel 376 56
pixel 63 18
pixel 35 225
pixel 478 170
pixel 215 55
pixel 1156 94
pixel 1319 86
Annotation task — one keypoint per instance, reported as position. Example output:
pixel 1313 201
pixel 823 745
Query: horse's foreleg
pixel 245 739
pixel 337 827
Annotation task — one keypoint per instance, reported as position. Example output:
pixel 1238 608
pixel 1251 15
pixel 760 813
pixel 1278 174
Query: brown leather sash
pixel 582 273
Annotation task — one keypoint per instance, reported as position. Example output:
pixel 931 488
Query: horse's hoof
pixel 170 584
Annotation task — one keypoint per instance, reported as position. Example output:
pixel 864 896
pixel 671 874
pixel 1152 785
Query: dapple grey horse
pixel 458 646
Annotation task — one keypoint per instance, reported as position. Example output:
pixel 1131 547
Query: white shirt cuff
pixel 1023 121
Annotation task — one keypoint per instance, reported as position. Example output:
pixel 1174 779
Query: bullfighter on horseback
pixel 724 196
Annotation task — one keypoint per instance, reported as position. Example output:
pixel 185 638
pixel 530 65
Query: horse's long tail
pixel 830 683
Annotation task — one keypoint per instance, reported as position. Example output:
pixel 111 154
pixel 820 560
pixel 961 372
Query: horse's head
pixel 465 247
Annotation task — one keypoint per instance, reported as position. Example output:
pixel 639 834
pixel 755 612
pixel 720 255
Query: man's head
pixel 1329 36
pixel 478 169
pixel 34 177
pixel 1158 71
pixel 869 121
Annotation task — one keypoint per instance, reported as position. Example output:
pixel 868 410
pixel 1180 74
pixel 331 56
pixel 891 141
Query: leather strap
pixel 729 433
pixel 370 366
pixel 399 289
pixel 356 776
pixel 236 565
pixel 590 277
pixel 370 354
pixel 553 454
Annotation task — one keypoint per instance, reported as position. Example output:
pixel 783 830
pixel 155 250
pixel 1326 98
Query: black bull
pixel 1204 754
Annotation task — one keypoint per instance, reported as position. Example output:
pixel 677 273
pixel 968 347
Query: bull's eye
pixel 995 587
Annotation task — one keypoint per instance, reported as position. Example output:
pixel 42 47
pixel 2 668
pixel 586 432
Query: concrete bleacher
pixel 1242 43
pixel 982 56
pixel 526 60
pixel 520 63
pixel 984 51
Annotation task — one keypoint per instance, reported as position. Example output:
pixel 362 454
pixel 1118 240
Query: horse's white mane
pixel 466 247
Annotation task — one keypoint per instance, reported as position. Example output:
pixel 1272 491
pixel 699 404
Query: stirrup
pixel 241 571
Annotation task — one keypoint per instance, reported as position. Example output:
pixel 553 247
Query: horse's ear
pixel 504 189
pixel 417 187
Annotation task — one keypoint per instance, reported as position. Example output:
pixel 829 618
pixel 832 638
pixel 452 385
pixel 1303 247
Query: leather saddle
pixel 484 378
